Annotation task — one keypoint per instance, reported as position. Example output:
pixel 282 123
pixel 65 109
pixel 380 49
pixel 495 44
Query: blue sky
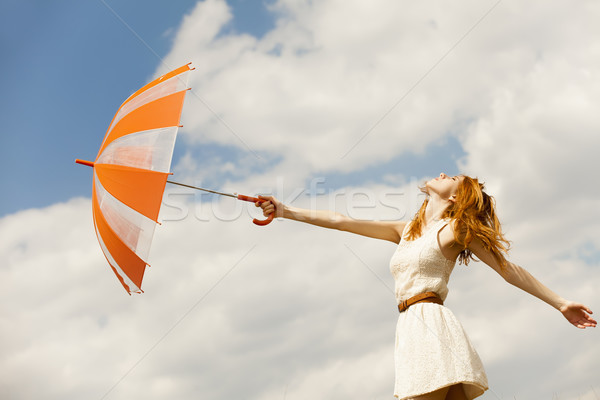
pixel 64 77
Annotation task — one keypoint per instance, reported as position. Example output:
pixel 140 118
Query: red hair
pixel 474 216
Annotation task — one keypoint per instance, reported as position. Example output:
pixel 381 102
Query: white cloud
pixel 519 92
pixel 291 310
pixel 266 319
pixel 287 309
pixel 322 79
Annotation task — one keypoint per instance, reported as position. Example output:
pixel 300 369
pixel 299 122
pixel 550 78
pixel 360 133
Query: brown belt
pixel 427 297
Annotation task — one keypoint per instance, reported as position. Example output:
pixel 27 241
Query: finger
pixel 268 210
pixel 583 307
pixel 580 323
pixel 261 196
pixel 262 204
pixel 585 323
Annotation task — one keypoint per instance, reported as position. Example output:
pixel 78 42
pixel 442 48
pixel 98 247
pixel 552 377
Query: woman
pixel 434 357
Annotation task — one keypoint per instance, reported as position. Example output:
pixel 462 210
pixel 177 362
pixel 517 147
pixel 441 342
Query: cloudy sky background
pixel 344 105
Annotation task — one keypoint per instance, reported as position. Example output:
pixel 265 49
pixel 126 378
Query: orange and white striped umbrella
pixel 131 171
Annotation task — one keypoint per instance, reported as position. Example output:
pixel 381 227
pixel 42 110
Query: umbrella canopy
pixel 131 171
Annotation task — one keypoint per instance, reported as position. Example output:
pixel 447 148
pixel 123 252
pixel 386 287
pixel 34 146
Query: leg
pixel 456 392
pixel 437 395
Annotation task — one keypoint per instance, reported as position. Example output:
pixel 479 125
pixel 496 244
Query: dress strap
pixel 439 224
pixel 436 227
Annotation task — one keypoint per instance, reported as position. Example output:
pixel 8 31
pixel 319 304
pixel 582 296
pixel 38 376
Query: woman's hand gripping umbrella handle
pixel 256 200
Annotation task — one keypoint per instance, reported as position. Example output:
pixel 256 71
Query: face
pixel 444 186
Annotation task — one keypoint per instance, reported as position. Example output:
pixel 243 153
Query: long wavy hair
pixel 474 216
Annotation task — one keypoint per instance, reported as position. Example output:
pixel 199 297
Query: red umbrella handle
pixel 254 200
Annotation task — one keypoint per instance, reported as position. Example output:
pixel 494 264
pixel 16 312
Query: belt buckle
pixel 404 305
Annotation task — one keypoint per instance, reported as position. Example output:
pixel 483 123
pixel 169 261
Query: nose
pixel 443 175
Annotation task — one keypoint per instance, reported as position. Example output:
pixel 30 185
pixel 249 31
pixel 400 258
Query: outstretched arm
pixel 576 313
pixel 385 230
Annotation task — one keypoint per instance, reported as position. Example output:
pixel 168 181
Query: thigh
pixel 456 392
pixel 437 395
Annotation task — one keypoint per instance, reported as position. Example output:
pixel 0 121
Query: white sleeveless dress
pixel 432 349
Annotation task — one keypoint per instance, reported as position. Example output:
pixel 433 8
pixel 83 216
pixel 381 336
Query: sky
pixel 344 105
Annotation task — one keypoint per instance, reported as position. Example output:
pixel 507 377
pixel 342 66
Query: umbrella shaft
pixel 205 190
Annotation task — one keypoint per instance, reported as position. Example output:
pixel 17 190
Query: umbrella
pixel 131 171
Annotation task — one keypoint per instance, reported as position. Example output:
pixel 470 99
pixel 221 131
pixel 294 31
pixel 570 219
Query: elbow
pixel 341 222
pixel 511 272
pixel 508 277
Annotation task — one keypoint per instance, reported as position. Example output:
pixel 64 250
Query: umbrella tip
pixel 83 162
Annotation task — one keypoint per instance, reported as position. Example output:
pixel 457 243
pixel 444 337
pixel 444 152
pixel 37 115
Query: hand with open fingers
pixel 272 205
pixel 578 315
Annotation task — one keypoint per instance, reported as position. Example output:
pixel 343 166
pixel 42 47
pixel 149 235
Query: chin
pixel 425 188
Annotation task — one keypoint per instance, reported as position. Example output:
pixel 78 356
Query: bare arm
pixel 576 313
pixel 384 230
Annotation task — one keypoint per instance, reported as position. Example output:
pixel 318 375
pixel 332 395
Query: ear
pixel 452 198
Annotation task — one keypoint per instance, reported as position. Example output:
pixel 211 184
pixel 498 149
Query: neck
pixel 435 208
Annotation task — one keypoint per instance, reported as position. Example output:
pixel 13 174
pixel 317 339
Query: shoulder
pixel 452 230
pixel 455 226
pixel 400 228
